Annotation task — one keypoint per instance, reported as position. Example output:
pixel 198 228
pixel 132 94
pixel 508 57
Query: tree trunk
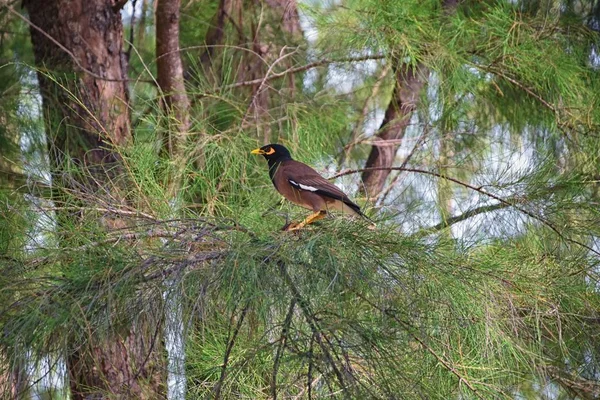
pixel 408 84
pixel 82 72
pixel 170 73
pixel 119 368
pixel 264 28
pixel 95 106
pixel 407 87
pixel 444 186
pixel 14 380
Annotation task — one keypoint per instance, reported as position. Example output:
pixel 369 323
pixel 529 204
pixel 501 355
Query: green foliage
pixel 480 281
pixel 394 316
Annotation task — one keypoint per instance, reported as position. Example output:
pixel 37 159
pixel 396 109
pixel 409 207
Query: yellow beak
pixel 257 151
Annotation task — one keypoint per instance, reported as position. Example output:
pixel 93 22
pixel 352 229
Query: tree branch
pixel 282 74
pixel 430 350
pixel 584 388
pixel 230 344
pixel 353 141
pixel 382 196
pixel 459 218
pixel 310 319
pixel 507 203
pixel 282 341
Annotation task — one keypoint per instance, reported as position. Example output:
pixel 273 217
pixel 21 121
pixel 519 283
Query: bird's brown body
pixel 327 196
pixel 302 185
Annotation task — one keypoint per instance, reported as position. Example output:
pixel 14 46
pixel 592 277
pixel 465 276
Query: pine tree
pixel 481 279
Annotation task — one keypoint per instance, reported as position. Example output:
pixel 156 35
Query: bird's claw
pixel 292 226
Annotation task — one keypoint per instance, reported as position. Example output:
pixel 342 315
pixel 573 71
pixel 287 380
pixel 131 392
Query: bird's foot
pixel 291 226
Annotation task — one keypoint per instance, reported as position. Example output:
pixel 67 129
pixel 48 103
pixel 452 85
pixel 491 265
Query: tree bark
pixel 281 29
pixel 95 104
pixel 170 72
pixel 82 73
pixel 265 28
pixel 122 367
pixel 407 87
pixel 14 380
pixel 408 84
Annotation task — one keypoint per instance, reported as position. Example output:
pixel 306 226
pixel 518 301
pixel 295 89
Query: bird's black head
pixel 273 153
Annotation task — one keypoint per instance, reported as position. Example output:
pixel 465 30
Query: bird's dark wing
pixel 304 178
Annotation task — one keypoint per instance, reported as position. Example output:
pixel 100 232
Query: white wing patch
pixel 303 187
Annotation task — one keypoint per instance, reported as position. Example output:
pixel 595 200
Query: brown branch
pixel 294 70
pixel 262 81
pixel 533 94
pixel 282 341
pixel 408 82
pixel 429 349
pixel 230 344
pixel 196 259
pixel 518 84
pixel 585 388
pixel 315 64
pixel 459 218
pixel 476 189
pixel 7 3
pixel 102 210
pixel 308 387
pixel 312 323
pixel 419 142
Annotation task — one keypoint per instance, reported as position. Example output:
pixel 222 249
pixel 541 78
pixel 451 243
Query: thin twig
pixel 308 387
pixel 312 323
pixel 230 344
pixel 102 210
pixel 532 93
pixel 527 90
pixel 474 188
pixel 430 350
pixel 281 346
pixel 262 81
pixel 585 388
pixel 294 70
pixel 315 64
pixel 196 259
pixel 459 218
pixel 418 144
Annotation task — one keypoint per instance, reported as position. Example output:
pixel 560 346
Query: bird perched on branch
pixel 303 186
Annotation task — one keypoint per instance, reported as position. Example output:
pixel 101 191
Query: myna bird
pixel 303 186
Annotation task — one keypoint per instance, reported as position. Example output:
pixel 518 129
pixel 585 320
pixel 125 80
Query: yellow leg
pixel 308 220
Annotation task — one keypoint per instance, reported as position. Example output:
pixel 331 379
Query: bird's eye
pixel 270 151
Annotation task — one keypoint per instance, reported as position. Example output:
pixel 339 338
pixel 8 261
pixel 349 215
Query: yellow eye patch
pixel 270 151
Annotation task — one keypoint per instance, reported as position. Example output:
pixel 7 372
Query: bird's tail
pixel 373 224
pixel 356 209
